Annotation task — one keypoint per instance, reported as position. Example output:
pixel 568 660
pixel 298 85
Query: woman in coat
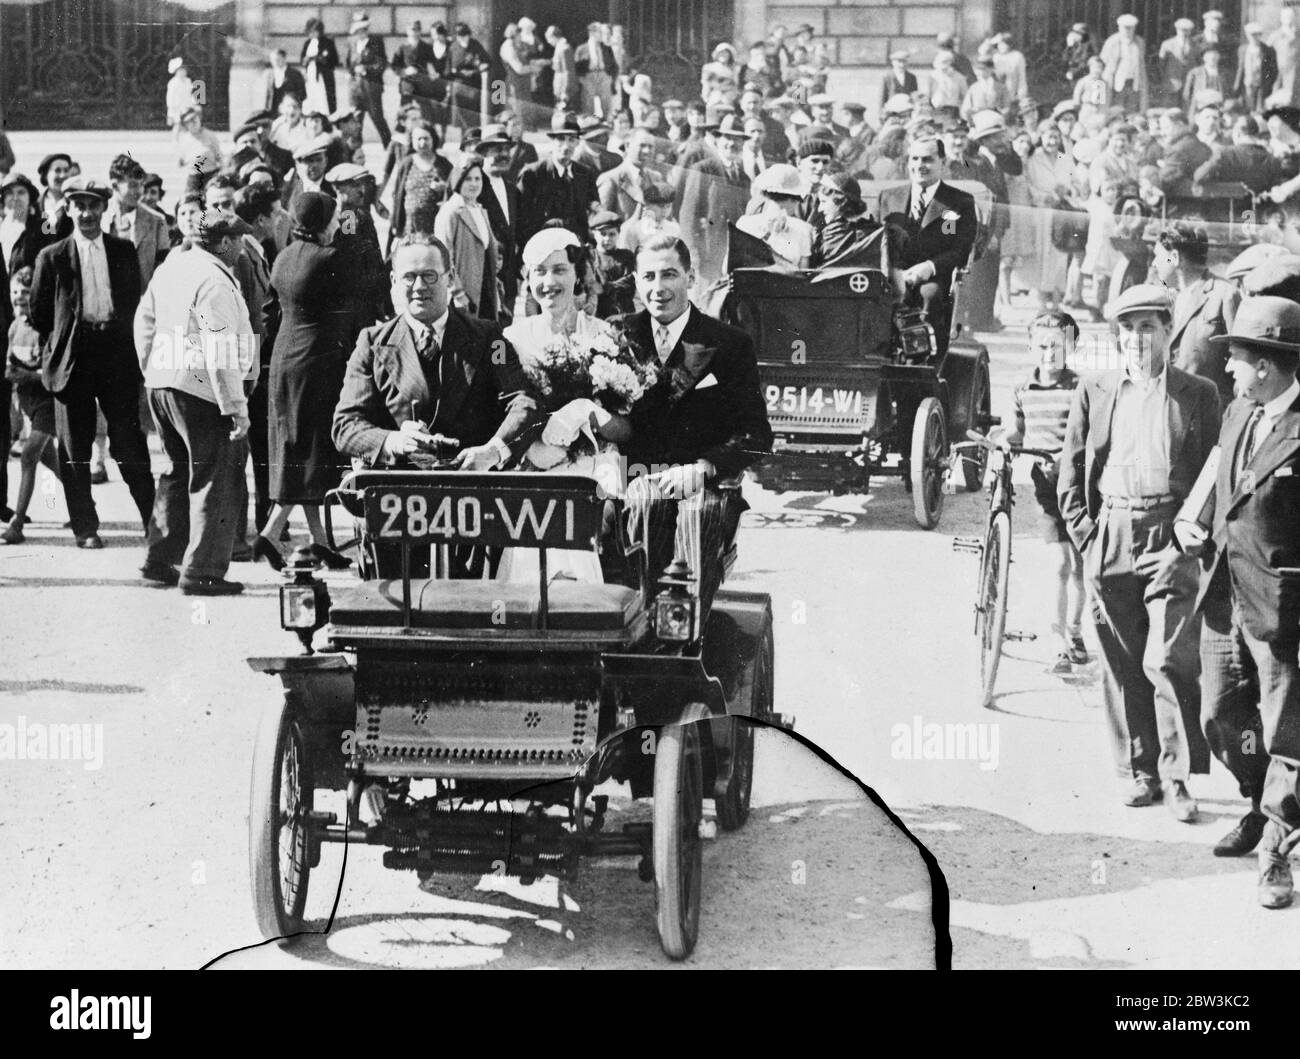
pixel 311 350
pixel 462 225
pixel 319 59
pixel 419 184
pixel 1049 172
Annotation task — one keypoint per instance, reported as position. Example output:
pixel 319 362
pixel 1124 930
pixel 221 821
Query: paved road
pixel 142 861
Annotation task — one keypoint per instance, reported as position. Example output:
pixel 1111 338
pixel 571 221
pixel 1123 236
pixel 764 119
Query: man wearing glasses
pixel 430 374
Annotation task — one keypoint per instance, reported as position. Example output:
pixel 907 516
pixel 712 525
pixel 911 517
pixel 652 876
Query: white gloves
pixel 564 426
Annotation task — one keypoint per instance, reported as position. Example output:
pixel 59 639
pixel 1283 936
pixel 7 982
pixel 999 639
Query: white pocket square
pixel 709 380
pixel 1284 472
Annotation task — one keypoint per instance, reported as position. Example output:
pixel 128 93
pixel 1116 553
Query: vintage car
pixel 856 384
pixel 477 717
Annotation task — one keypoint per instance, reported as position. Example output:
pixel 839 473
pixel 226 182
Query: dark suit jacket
pixel 582 59
pixel 369 62
pixel 327 57
pixel 544 194
pixel 1267 69
pixel 678 421
pixel 1254 526
pixel 386 381
pixel 29 244
pixel 56 308
pixel 1194 423
pixel 1207 315
pixel 891 87
pixel 293 82
pixel 503 227
pixel 943 238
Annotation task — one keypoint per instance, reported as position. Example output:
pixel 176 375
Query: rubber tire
pixel 995 579
pixel 279 741
pixel 927 503
pixel 733 808
pixel 973 467
pixel 675 837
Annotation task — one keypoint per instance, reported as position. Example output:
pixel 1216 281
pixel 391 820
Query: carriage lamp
pixel 915 335
pixel 304 599
pixel 676 610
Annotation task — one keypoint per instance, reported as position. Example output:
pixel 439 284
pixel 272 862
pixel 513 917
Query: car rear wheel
pixel 927 462
pixel 280 800
pixel 675 834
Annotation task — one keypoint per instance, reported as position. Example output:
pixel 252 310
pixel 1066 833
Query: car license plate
pixel 522 517
pixel 817 401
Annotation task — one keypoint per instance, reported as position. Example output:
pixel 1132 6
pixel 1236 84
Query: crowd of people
pixel 301 308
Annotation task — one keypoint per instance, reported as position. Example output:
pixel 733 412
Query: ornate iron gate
pixel 82 64
pixel 1039 28
pixel 671 39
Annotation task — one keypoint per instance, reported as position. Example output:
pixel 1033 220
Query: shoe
pixel 1143 792
pixel 1181 803
pixel 332 559
pixel 1243 838
pixel 90 541
pixel 6 514
pixel 1276 887
pixel 1077 653
pixel 1062 665
pixel 162 573
pixel 12 535
pixel 242 555
pixel 99 476
pixel 264 549
pixel 209 586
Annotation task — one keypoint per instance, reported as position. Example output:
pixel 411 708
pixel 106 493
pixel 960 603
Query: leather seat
pixel 452 604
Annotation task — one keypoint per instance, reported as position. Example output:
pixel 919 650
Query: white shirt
pixel 10 232
pixel 1272 413
pixel 96 290
pixel 1138 463
pixel 674 329
pixel 1128 67
pixel 498 186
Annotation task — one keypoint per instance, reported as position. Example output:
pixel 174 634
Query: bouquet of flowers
pixel 598 368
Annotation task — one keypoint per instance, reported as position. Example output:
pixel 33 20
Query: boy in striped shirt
pixel 1042 405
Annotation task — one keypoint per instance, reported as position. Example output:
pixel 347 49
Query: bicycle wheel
pixel 991 611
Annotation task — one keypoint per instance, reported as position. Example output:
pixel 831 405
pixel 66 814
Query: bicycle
pixel 994 550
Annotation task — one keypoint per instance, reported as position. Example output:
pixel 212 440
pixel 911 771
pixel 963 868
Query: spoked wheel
pixel 675 833
pixel 733 807
pixel 991 610
pixel 279 802
pixel 974 464
pixel 927 460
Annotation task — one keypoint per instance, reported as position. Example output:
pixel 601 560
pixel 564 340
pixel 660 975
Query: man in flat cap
pixel 1284 43
pixel 1124 56
pixel 84 296
pixel 311 162
pixel 899 79
pixel 1176 59
pixel 1243 521
pixel 1213 35
pixel 1134 444
pixel 1256 69
pixel 822 109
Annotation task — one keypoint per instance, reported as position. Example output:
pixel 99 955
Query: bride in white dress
pixel 550 261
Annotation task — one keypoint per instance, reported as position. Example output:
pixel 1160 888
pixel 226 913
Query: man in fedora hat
pixel 593 135
pixel 715 193
pixel 1242 520
pixel 1124 57
pixel 500 200
pixel 365 61
pixel 557 188
pixel 84 296
pixel 1134 444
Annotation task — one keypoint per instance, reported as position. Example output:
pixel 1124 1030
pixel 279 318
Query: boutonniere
pixel 951 215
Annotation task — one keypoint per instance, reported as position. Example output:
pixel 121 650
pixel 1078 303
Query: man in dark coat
pixel 1250 593
pixel 1135 443
pixel 435 365
pixel 558 188
pixel 467 60
pixel 938 224
pixel 365 61
pixel 84 296
pixel 500 199
pixel 1247 160
pixel 701 425
pixel 281 80
pixel 1256 69
pixel 900 81
pixel 715 193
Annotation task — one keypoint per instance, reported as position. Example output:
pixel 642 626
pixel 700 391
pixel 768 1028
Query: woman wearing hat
pixel 774 216
pixel 845 227
pixel 306 377
pixel 319 59
pixel 199 148
pixel 419 184
pixel 20 224
pixel 719 78
pixel 1050 176
pixel 462 226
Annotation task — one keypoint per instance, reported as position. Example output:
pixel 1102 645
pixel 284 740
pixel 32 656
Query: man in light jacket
pixel 197 350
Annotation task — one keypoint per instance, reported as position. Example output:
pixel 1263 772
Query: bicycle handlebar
pixel 978 440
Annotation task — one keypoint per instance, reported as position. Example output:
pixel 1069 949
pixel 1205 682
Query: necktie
pixel 427 347
pixel 918 205
pixel 663 342
pixel 1248 441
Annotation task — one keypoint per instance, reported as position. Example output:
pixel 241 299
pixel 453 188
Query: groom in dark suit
pixel 1250 592
pixel 449 372
pixel 939 226
pixel 698 428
